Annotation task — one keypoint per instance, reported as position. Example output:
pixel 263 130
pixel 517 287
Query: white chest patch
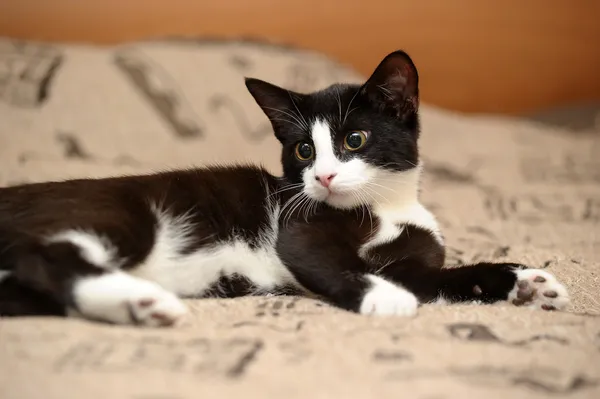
pixel 400 209
pixel 392 220
pixel 192 274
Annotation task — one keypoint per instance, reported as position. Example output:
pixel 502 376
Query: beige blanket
pixel 504 190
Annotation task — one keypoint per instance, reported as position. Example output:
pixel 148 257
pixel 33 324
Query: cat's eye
pixel 355 140
pixel 304 151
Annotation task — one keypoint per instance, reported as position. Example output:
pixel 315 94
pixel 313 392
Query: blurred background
pixel 512 57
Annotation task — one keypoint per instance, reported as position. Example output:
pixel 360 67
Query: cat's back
pixel 40 206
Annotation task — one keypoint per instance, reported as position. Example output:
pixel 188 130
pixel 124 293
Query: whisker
pixel 365 204
pixel 339 101
pixel 307 209
pixel 292 209
pixel 381 195
pixel 300 206
pixel 291 115
pixel 299 113
pixel 290 201
pixel 399 164
pixel 397 181
pixel 349 105
pixel 384 187
pixel 285 188
pixel 352 110
pixel 288 121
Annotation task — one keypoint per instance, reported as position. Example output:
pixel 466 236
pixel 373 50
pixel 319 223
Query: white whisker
pixel 365 204
pixel 349 105
pixel 290 201
pixel 339 101
pixel 291 210
pixel 285 188
pixel 384 187
pixel 291 115
pixel 299 113
pixel 288 121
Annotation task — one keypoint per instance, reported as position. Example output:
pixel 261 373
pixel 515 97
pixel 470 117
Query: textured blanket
pixel 503 190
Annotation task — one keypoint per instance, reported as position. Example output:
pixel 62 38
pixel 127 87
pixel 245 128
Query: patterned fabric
pixel 504 189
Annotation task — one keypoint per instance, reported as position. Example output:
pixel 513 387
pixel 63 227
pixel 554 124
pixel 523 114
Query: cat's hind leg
pixel 81 271
pixel 120 298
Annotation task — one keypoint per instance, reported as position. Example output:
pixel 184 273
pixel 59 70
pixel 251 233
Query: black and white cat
pixel 343 224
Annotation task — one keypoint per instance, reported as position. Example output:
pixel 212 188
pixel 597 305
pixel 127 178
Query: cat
pixel 342 224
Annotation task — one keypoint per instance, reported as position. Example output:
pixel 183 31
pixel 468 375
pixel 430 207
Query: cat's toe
pixel 159 309
pixel 387 299
pixel 538 289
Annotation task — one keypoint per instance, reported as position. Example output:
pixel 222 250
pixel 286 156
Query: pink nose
pixel 325 180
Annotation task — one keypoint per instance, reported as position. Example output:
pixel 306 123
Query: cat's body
pixel 344 223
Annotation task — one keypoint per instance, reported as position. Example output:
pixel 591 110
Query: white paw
pixel 120 298
pixel 156 309
pixel 385 298
pixel 538 289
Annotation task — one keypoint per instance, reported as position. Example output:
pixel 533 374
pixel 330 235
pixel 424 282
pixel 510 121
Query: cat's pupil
pixel 354 140
pixel 305 150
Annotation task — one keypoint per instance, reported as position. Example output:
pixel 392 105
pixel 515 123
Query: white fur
pixel 350 176
pixel 94 249
pixel 326 163
pixel 538 299
pixel 120 298
pixel 191 275
pixel 385 298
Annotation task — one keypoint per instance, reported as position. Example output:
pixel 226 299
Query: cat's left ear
pixel 273 100
pixel 394 85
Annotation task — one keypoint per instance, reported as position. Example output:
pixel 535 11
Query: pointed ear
pixel 273 100
pixel 394 85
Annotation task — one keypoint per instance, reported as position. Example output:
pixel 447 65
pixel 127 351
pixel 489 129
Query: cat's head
pixel 348 144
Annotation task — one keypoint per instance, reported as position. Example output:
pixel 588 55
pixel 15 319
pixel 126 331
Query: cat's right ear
pixel 273 100
pixel 394 85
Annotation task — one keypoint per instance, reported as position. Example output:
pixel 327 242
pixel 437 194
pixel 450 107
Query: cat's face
pixel 346 145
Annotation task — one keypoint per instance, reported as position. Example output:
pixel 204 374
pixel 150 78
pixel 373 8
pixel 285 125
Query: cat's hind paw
pixel 387 299
pixel 120 298
pixel 538 289
pixel 158 310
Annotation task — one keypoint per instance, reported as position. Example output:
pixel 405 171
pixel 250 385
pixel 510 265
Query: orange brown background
pixel 513 56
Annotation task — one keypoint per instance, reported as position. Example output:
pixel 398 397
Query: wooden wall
pixel 510 56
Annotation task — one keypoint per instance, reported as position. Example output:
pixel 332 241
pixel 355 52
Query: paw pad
pixel 538 289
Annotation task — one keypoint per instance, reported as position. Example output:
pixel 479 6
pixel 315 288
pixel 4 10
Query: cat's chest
pixel 392 222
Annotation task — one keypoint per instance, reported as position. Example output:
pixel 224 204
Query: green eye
pixel 304 151
pixel 355 140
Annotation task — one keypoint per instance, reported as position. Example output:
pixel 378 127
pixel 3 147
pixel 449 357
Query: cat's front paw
pixel 538 289
pixel 385 298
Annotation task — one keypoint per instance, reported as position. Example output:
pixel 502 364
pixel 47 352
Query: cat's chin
pixel 336 199
pixel 342 201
